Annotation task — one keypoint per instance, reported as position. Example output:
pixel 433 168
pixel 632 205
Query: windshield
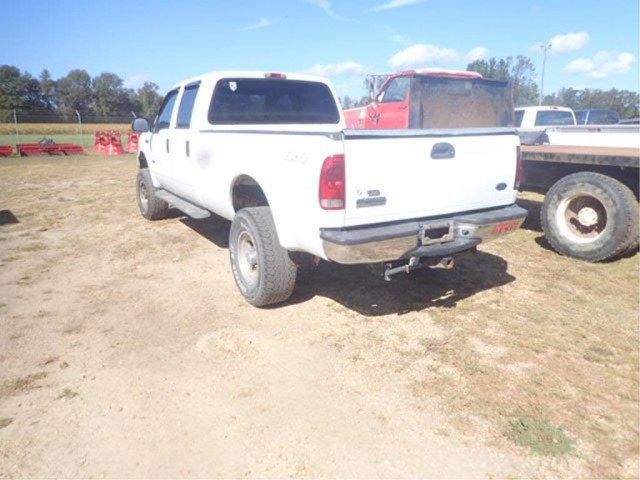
pixel 271 101
pixel 554 117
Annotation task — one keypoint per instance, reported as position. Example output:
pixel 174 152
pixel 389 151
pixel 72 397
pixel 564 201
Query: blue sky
pixel 595 42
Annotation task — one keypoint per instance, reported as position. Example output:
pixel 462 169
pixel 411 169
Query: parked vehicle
pixel 435 98
pixel 590 210
pixel 269 152
pixel 531 122
pixel 597 116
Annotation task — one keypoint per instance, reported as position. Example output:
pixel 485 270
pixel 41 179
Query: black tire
pixel 153 208
pixel 263 270
pixel 609 226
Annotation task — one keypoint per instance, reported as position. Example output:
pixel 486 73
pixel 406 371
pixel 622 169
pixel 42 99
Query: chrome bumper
pixel 398 240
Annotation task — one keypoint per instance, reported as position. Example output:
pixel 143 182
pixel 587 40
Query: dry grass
pixel 58 128
pixel 540 348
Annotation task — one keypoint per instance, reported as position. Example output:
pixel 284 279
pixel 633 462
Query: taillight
pixel 331 191
pixel 519 168
pixel 279 75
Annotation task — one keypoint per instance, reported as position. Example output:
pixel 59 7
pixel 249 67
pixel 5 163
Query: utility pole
pixel 545 49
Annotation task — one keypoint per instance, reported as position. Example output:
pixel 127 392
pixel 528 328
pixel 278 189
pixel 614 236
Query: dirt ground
pixel 126 351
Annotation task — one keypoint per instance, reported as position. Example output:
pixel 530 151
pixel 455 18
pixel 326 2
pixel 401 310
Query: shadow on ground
pixel 532 222
pixel 356 287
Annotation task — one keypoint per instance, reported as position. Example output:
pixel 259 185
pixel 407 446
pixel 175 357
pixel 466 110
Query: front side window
pixel 164 117
pixel 271 101
pixel 554 117
pixel 519 117
pixel 186 106
pixel 396 91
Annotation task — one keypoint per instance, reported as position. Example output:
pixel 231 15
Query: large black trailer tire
pixel 262 268
pixel 151 207
pixel 590 216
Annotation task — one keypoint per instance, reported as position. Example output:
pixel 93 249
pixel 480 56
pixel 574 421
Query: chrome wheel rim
pixel 248 258
pixel 582 218
pixel 144 196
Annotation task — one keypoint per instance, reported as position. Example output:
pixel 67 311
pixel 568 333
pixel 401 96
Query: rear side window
pixel 519 116
pixel 164 117
pixel 554 117
pixel 186 106
pixel 271 101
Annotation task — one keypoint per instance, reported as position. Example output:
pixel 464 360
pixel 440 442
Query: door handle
pixel 167 145
pixel 186 148
pixel 443 150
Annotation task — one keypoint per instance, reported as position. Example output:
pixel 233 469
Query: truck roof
pixel 250 74
pixel 544 108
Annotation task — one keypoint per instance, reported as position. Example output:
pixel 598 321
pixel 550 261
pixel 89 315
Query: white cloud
pixel 603 64
pixel 391 4
pixel 348 67
pixel 423 54
pixel 477 53
pixel 136 81
pixel 324 5
pixel 569 42
pixel 262 23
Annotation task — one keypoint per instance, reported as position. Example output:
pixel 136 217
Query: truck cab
pixel 433 98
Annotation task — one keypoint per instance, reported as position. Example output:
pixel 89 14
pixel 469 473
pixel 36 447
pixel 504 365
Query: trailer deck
pixel 618 156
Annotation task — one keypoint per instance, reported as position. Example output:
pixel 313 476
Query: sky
pixel 594 43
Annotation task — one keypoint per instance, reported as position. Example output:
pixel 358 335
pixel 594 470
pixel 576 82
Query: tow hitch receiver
pixel 415 264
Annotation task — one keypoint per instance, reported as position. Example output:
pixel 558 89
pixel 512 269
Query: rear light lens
pixel 275 75
pixel 519 168
pixel 332 183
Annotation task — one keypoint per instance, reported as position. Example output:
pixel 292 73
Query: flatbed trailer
pixel 590 209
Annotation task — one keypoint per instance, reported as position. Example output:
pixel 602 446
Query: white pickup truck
pixel 270 152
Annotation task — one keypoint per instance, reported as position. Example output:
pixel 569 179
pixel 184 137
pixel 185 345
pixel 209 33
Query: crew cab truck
pixel 270 152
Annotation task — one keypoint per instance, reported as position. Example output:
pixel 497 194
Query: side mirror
pixel 140 125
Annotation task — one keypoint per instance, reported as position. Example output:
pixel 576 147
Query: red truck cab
pixel 391 106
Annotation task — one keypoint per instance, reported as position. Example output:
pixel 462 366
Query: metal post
pixel 15 122
pixel 80 127
pixel 545 49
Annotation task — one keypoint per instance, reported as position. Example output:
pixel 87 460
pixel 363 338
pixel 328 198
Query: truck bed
pixel 612 156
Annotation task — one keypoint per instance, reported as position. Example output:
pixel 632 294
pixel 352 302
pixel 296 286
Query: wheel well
pixel 246 192
pixel 142 161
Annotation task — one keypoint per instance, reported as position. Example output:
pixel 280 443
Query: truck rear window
pixel 271 101
pixel 554 117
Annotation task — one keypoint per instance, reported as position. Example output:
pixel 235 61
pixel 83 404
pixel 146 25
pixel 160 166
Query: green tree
pixel 110 97
pixel 520 72
pixel 149 99
pixel 47 90
pixel 18 90
pixel 74 92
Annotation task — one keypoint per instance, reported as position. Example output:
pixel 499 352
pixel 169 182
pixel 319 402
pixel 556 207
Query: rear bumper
pixel 397 240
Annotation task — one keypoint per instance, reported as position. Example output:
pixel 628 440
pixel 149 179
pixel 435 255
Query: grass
pixel 542 349
pixel 67 393
pixel 58 132
pixel 541 437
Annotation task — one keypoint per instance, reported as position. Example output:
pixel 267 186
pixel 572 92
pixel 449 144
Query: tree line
pixel 521 72
pixel 104 95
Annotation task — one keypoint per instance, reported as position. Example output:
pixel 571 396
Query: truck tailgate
pixel 401 174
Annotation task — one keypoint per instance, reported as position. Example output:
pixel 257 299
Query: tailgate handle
pixel 443 150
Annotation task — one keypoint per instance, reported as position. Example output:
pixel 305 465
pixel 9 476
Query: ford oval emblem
pixel 501 186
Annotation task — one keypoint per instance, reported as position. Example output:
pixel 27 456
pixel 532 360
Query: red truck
pixel 434 98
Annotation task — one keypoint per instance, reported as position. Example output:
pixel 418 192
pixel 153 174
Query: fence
pixel 18 126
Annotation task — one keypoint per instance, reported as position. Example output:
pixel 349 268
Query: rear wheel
pixel 590 216
pixel 263 270
pixel 151 207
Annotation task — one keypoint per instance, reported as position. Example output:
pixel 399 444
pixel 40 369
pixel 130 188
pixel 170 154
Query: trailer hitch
pixel 414 263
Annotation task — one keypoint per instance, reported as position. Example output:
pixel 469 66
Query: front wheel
pixel 151 207
pixel 263 270
pixel 590 216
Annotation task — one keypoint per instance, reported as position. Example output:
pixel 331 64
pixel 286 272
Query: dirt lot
pixel 126 351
